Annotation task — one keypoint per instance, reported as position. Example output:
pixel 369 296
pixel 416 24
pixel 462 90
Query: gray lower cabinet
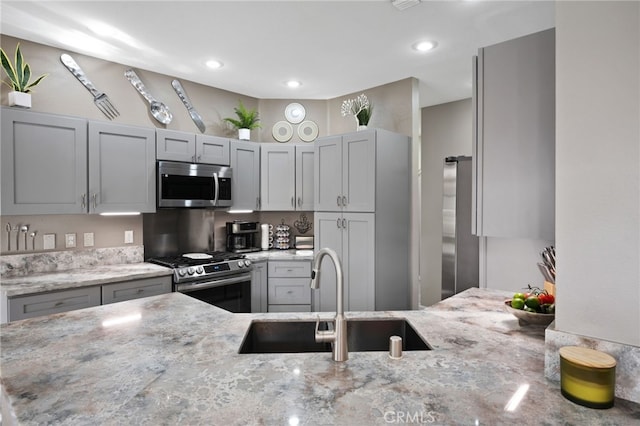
pixel 122 162
pixel 65 165
pixel 259 287
pixel 289 286
pixel 34 305
pixel 245 166
pixel 514 139
pixel 352 236
pixel 135 289
pixel 30 306
pixel 44 163
pixel 188 147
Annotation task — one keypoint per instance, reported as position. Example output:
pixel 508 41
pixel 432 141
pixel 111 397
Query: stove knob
pixel 190 271
pixel 247 263
pixel 240 264
pixel 199 270
pixel 182 272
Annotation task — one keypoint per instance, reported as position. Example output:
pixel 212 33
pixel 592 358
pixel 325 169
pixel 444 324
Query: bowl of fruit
pixel 534 306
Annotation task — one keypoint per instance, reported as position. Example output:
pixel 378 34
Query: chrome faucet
pixel 337 336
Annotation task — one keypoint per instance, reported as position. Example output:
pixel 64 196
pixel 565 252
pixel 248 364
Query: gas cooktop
pixel 194 259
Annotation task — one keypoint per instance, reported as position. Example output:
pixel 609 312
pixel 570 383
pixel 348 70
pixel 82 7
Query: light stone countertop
pixel 177 362
pixel 280 255
pixel 80 277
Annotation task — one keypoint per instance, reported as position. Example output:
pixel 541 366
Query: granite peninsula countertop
pixel 80 277
pixel 292 254
pixel 177 362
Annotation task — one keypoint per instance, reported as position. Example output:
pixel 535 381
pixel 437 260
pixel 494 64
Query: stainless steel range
pixel 219 278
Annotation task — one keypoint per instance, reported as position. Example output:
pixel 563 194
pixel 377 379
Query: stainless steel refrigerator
pixel 459 246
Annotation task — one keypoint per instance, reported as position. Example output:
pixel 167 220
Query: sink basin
pixel 296 336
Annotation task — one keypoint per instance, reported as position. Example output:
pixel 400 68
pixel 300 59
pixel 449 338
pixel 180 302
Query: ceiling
pixel 332 47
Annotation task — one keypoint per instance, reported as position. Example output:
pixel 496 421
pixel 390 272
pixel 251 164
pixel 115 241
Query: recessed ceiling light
pixel 293 84
pixel 213 64
pixel 424 46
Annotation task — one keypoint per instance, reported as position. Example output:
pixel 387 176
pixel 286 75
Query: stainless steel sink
pixel 295 336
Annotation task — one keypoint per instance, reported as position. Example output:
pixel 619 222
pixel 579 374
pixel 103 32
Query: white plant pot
pixel 361 127
pixel 20 99
pixel 244 134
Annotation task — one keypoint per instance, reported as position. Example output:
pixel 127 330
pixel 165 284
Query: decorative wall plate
pixel 308 131
pixel 294 113
pixel 282 131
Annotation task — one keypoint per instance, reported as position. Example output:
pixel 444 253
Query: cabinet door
pixel 44 163
pixel 24 307
pixel 359 171
pixel 327 181
pixel 121 168
pixel 212 150
pixel 289 291
pixel 135 289
pixel 358 260
pixel 175 146
pixel 277 177
pixel 515 138
pixel 259 287
pixel 328 234
pixel 304 177
pixel 245 166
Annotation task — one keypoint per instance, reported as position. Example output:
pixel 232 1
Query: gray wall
pixel 598 169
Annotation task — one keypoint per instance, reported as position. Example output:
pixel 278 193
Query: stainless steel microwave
pixel 193 185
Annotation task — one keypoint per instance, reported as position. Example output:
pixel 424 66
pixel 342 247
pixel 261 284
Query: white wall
pixel 598 169
pixel 446 131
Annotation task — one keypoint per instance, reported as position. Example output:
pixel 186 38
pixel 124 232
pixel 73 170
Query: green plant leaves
pixel 20 74
pixel 247 119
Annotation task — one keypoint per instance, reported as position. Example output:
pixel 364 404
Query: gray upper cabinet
pixel 187 147
pixel 44 163
pixel 65 165
pixel 304 177
pixel 346 170
pixel 514 138
pixel 286 177
pixel 121 168
pixel 245 165
pixel 277 177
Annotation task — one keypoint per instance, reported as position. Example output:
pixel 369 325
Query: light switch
pixel 69 240
pixel 128 237
pixel 88 239
pixel 49 241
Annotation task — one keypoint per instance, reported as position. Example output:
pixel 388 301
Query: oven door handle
pixel 216 190
pixel 187 287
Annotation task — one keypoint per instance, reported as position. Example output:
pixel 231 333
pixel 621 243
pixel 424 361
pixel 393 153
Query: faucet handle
pixel 324 335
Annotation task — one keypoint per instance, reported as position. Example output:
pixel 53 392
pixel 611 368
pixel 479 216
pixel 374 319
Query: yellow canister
pixel 587 376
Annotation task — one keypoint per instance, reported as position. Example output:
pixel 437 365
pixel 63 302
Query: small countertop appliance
pixel 242 236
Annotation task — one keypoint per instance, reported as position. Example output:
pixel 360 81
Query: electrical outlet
pixel 49 241
pixel 88 239
pixel 69 240
pixel 128 237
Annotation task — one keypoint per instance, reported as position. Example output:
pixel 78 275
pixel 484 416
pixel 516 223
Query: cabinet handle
pixel 293 203
pixel 338 201
pixel 94 198
pixel 140 290
pixel 58 304
pixel 257 203
pixel 84 201
pixel 338 223
pixel 344 223
pixel 344 201
pixel 299 202
pixel 199 157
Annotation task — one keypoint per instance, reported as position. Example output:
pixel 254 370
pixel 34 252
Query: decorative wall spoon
pixel 24 229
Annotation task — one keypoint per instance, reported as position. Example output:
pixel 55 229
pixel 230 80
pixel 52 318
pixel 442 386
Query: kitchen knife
pixel 546 273
pixel 187 103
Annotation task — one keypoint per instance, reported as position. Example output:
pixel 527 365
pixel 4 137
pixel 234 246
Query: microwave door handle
pixel 216 189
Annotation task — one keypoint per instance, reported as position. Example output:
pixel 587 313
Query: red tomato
pixel 546 299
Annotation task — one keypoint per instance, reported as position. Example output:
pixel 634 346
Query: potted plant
pixel 360 108
pixel 19 74
pixel 247 120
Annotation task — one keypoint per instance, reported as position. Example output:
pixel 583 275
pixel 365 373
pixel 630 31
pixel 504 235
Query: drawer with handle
pixel 23 307
pixel 136 289
pixel 290 269
pixel 289 291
